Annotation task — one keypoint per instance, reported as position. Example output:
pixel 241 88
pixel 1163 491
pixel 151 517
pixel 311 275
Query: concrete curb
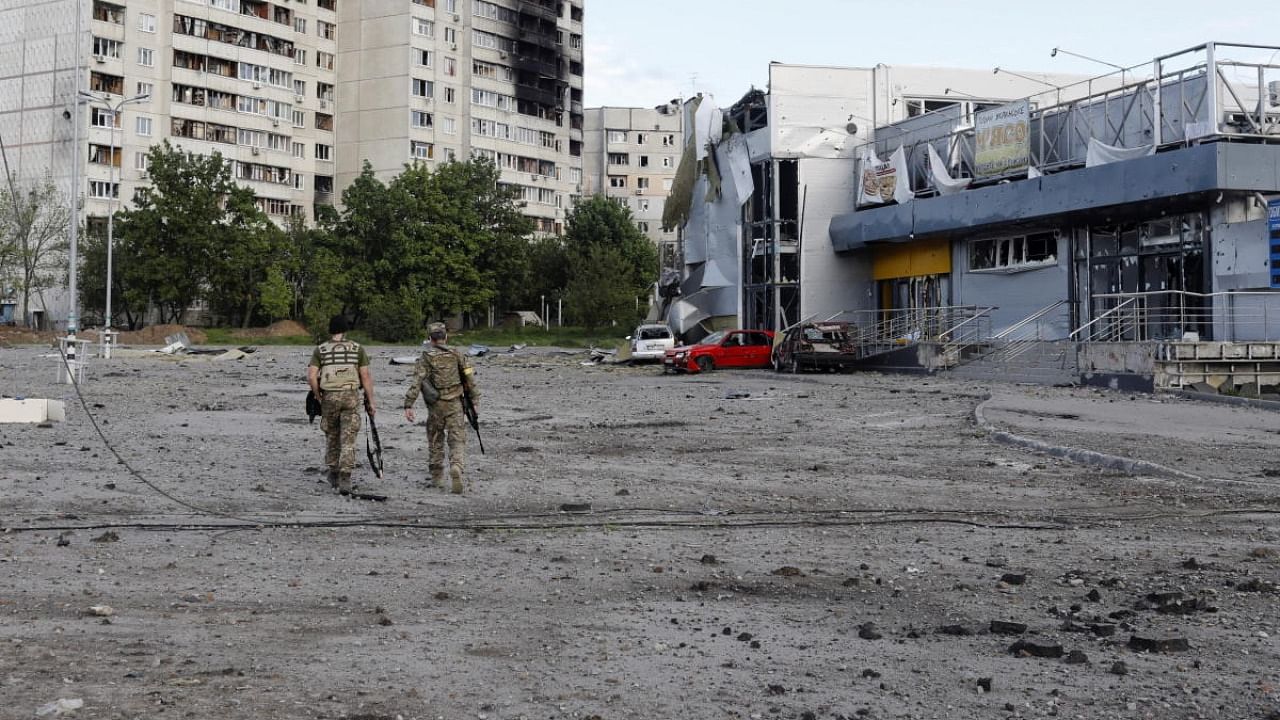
pixel 1076 455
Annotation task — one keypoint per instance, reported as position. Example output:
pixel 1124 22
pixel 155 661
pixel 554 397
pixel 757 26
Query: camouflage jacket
pixel 447 370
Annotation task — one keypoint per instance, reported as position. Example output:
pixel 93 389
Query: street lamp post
pixel 116 108
pixel 998 70
pixel 1054 53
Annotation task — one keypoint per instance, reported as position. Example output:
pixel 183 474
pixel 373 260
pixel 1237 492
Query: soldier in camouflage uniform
pixel 447 371
pixel 339 369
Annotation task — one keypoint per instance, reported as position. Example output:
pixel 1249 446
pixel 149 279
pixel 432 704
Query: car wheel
pixel 706 364
pixel 792 366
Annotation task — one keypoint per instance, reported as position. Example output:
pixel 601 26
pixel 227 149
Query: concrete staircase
pixel 1036 362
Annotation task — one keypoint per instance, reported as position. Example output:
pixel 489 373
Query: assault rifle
pixel 469 409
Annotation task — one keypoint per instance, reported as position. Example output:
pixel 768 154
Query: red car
pixel 724 349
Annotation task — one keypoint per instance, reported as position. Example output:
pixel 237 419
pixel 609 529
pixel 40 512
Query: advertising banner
pixel 1273 239
pixel 883 182
pixel 1002 139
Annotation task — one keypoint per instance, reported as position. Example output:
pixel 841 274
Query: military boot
pixel 455 473
pixel 333 479
pixel 437 479
pixel 344 483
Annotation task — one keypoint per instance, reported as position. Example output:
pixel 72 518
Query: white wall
pixel 830 283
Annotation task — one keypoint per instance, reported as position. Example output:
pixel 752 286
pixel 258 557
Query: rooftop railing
pixel 1215 90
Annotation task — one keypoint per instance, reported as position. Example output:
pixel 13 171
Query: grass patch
pixel 230 336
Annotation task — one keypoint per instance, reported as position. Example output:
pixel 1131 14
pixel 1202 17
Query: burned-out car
pixel 817 346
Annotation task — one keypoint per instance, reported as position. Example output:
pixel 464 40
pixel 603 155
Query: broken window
pixel 1013 253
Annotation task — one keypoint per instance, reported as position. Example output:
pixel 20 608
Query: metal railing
pixel 877 331
pixel 1181 97
pixel 1174 315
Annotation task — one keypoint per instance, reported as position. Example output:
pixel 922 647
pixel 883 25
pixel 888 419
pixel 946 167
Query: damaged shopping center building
pixel 1111 230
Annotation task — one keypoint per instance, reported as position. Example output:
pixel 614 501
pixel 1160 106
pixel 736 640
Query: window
pixel 619 159
pixel 451 6
pixel 425 28
pixel 668 140
pixel 145 88
pixel 423 88
pixel 146 22
pixel 300 25
pixel 103 155
pixel 451 36
pixel 100 118
pixel 146 57
pixel 299 57
pixel 642 183
pixel 450 67
pixel 420 119
pixel 666 184
pixel 641 138
pixel 300 88
pixel 421 150
pixel 142 125
pixel 299 181
pixel 666 162
pixel 644 161
pixel 327 5
pixel 102 47
pixel 617 181
pixel 140 161
pixel 422 57
pixel 299 118
pixel 617 136
pixel 324 122
pixel 324 60
pixel 450 125
pixel 1014 253
pixel 101 189
pixel 324 152
pixel 108 12
pixel 328 31
pixel 299 150
pixel 324 91
pixel 643 227
pixel 642 204
pixel 450 95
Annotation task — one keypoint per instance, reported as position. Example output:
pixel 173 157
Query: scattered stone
pixel 788 571
pixel 744 637
pixel 1014 578
pixel 64 539
pixel 984 684
pixel 702 586
pixel 868 631
pixel 709 559
pixel 1094 595
pixel 575 507
pixel 1255 585
pixel 850 582
pixel 1191 564
pixel 776 690
pixel 623 492
pixel 100 611
pixel 1158 645
pixel 107 537
pixel 958 630
pixel 1001 627
pixel 870 674
pixel 442 595
pixel 1031 648
pixel 1076 657
pixel 1103 629
pixel 997 562
pixel 1261 553
pixel 384 621
pixel 1119 668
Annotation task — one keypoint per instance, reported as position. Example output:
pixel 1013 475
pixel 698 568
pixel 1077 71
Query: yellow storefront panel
pixel 930 257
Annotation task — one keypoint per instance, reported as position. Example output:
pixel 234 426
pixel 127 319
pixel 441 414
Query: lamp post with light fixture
pixel 115 108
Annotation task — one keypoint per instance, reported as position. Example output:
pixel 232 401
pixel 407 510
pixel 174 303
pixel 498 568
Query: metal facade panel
pixel 1188 171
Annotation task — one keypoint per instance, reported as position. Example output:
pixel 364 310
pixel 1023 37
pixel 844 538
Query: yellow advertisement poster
pixel 1002 139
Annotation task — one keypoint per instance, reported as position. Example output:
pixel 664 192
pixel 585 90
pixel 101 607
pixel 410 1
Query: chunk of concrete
pixel 31 410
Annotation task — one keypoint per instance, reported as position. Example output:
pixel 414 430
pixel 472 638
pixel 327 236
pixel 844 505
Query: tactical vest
pixel 340 365
pixel 445 375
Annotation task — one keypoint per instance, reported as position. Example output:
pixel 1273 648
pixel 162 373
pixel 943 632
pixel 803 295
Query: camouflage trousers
pixel 340 421
pixel 447 423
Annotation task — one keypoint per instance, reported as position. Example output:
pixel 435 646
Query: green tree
pixel 594 297
pixel 176 230
pixel 33 228
pixel 241 262
pixel 600 224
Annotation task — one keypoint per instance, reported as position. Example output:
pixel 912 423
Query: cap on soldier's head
pixel 436 330
pixel 337 325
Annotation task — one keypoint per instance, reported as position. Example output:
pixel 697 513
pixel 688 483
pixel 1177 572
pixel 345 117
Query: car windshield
pixel 712 339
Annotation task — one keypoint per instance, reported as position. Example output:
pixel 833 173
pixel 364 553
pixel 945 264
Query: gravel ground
pixel 757 546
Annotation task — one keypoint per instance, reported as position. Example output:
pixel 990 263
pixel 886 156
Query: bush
pixel 395 316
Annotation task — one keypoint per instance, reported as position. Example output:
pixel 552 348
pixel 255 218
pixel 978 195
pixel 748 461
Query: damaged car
pixel 817 346
pixel 651 342
pixel 723 349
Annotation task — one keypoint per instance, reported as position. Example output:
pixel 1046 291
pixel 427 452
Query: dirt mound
pixel 11 335
pixel 280 328
pixel 155 335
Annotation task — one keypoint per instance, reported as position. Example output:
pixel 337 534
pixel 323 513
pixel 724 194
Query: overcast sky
pixel 644 52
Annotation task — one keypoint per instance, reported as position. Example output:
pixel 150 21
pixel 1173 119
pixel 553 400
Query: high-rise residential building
pixel 297 94
pixel 435 80
pixel 631 156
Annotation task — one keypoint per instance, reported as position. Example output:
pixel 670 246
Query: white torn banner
pixel 942 179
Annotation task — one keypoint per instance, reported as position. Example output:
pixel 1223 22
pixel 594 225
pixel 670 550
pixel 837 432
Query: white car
pixel 651 342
